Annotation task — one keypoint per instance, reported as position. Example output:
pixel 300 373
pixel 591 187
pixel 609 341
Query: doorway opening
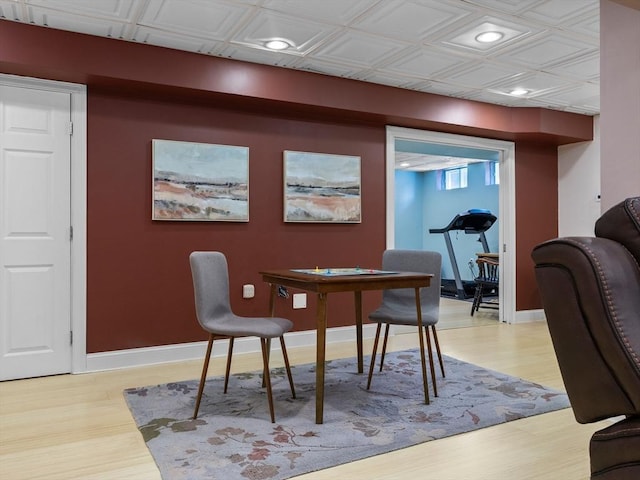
pixel 425 171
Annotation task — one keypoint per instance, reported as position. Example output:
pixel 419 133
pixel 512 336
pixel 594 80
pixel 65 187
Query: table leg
pixel 272 299
pixel 321 329
pixel 421 335
pixel 358 302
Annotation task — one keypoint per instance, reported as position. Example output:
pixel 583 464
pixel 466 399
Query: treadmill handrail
pixel 469 222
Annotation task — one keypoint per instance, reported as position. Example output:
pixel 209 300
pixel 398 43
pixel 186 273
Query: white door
pixel 35 243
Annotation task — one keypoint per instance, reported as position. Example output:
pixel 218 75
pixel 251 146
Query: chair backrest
pixel 622 224
pixel 590 291
pixel 210 286
pixel 488 270
pixel 421 261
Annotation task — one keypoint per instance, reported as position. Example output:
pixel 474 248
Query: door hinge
pixel 71 233
pixel 70 128
pixel 71 337
pixel 504 247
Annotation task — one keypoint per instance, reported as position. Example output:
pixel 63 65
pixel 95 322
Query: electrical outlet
pixel 299 300
pixel 248 291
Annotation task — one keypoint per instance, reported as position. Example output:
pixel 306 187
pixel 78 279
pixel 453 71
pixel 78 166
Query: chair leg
pixel 384 345
pixel 287 366
pixel 423 365
pixel 373 354
pixel 435 339
pixel 267 377
pixel 268 356
pixel 228 370
pixel 476 298
pixel 480 297
pixel 203 376
pixel 431 365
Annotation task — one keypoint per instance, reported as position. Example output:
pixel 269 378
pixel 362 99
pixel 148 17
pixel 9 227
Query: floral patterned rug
pixel 233 437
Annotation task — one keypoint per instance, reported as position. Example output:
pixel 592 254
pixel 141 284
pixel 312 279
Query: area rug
pixel 233 437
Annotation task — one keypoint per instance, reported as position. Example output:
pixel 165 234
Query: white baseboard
pixel 137 357
pixel 524 316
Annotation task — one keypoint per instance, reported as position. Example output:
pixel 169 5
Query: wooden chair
pixel 213 310
pixel 487 281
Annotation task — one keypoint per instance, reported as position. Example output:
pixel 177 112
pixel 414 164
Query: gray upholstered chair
pixel 213 310
pixel 399 307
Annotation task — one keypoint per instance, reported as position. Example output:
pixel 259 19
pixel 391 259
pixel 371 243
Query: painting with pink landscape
pixel 321 187
pixel 200 181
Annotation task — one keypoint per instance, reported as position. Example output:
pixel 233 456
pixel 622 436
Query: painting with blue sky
pixel 200 181
pixel 321 187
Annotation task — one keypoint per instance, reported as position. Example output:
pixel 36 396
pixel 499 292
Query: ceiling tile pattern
pixel 550 48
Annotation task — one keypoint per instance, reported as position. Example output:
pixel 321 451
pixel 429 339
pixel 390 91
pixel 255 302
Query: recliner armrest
pixel 590 290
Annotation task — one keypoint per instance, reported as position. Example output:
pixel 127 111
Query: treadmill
pixel 475 221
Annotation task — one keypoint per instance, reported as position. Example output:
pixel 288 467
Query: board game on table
pixel 336 272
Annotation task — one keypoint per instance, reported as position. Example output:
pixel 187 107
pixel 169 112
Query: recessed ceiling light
pixel 277 44
pixel 489 37
pixel 519 92
pixel 405 164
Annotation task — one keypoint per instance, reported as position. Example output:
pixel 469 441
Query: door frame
pixel 506 215
pixel 78 206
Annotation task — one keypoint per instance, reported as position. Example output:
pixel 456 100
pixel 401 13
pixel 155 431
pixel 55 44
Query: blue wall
pixel 409 210
pixel 419 206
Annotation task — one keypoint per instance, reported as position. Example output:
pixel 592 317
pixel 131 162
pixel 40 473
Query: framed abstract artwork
pixel 322 188
pixel 200 181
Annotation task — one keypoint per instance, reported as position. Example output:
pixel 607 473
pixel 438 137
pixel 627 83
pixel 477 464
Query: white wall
pixel 616 167
pixel 579 186
pixel 620 100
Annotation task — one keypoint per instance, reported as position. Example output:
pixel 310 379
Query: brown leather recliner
pixel 590 291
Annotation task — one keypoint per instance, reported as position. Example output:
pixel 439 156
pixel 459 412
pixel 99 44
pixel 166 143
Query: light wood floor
pixel 456 314
pixel 78 426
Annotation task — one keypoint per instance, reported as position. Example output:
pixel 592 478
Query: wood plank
pixel 79 427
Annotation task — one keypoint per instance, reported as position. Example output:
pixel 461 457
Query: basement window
pixel 454 178
pixel 492 173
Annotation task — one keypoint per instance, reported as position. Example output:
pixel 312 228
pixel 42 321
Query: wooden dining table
pixel 325 281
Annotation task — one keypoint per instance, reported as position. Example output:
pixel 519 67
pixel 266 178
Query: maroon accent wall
pixel 139 282
pixel 139 286
pixel 536 179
